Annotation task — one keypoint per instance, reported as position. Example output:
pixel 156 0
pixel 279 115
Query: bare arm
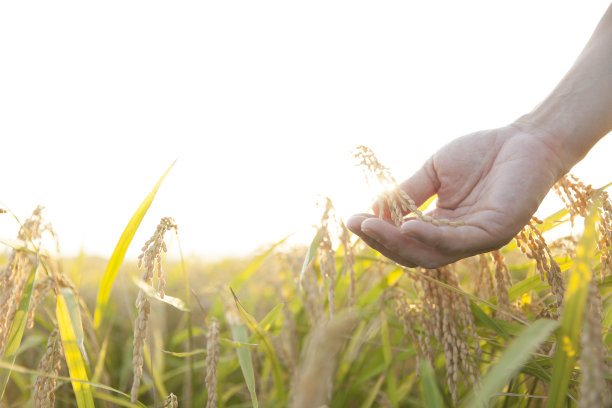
pixel 578 112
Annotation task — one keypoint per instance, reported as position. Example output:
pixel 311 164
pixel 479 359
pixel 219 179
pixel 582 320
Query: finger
pixel 354 224
pixel 452 240
pixel 402 249
pixel 423 184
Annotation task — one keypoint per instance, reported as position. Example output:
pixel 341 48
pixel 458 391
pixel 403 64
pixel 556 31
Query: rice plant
pixel 334 324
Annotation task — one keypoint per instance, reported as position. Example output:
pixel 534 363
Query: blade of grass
pixel 388 357
pixel 75 317
pixel 17 329
pixel 431 394
pixel 516 354
pixel 239 333
pixel 367 403
pixel 568 335
pixel 72 353
pixel 277 373
pixel 119 253
pixel 312 253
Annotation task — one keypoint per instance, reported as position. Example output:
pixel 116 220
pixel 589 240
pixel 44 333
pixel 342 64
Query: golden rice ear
pixel 50 363
pixel 393 203
pixel 171 401
pixel 149 260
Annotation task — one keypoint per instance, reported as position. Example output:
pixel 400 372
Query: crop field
pixel 333 324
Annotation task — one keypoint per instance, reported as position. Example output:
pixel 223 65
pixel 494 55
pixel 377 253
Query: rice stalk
pixel 503 283
pixel 349 263
pixel 212 360
pixel 150 259
pixel 14 275
pixel 449 320
pixel 533 245
pixel 326 257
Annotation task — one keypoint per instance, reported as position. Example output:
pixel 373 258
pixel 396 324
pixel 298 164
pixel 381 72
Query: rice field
pixel 334 324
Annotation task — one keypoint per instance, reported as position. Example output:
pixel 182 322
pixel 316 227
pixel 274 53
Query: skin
pixel 494 180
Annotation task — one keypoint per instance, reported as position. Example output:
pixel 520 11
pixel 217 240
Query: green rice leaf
pixel 312 253
pixel 388 357
pixel 568 336
pixel 510 362
pixel 367 403
pixel 240 335
pixel 271 317
pixel 72 353
pixel 119 253
pixel 277 373
pixel 17 328
pixel 430 388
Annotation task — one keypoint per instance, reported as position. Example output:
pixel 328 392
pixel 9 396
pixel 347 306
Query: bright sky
pixel 260 101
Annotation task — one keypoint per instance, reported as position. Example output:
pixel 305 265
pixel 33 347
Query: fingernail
pixel 367 228
pixel 354 223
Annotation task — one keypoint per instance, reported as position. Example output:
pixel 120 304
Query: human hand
pixel 493 181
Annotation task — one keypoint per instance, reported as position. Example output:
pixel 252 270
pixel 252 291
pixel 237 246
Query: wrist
pixel 556 139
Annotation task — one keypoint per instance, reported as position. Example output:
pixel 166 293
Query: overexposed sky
pixel 261 102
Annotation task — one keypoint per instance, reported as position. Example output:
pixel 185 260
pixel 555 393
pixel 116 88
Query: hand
pixel 492 180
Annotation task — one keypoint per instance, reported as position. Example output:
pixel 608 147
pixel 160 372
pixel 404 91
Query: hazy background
pixel 260 101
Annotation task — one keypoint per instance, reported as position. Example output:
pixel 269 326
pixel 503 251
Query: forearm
pixel 579 110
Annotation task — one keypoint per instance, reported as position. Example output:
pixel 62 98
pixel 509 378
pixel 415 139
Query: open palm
pixel 492 180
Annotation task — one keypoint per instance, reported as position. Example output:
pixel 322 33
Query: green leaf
pixel 119 253
pixel 75 318
pixel 17 328
pixel 312 253
pixel 271 317
pixel 510 362
pixel 239 333
pixel 153 293
pixel 484 319
pixel 568 336
pixel 367 403
pixel 388 357
pixel 277 373
pixel 430 388
pixel 72 353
